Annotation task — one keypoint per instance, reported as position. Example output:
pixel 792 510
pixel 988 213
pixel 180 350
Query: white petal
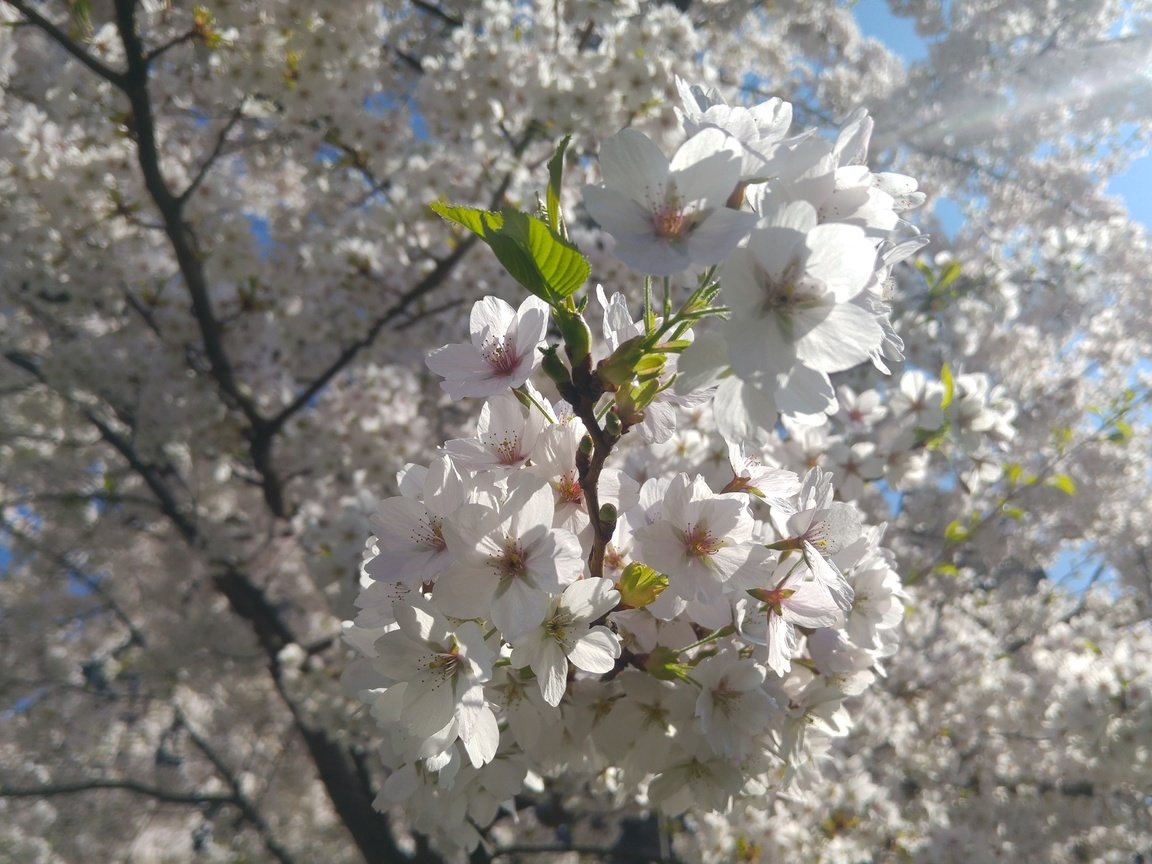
pixel 842 339
pixel 596 651
pixel 490 316
pixel 551 668
pixel 588 599
pixel 631 162
pixel 842 258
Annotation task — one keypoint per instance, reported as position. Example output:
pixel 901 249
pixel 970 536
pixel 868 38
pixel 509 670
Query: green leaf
pixel 479 222
pixel 1012 472
pixel 534 255
pixel 555 177
pixel 947 569
pixel 949 385
pixel 559 268
pixel 1062 482
pixel 955 532
pixel 1016 513
pixel 948 275
pixel 1121 433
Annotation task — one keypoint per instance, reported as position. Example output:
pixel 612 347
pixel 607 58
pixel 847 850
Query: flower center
pixel 569 490
pixel 430 534
pixel 513 562
pixel 699 542
pixel 669 224
pixel 501 355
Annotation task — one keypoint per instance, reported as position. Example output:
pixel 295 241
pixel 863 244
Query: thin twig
pixel 64 41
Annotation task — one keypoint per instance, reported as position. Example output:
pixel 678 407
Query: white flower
pixel 732 708
pixel 700 541
pixel 440 673
pixel 750 475
pixel 669 216
pixel 565 636
pixel 503 351
pixel 758 129
pixel 409 546
pixel 770 615
pixel 506 433
pixel 789 291
pixel 819 529
pixel 508 560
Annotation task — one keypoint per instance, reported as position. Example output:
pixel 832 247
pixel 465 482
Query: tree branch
pixel 188 257
pixel 245 805
pixel 64 41
pixel 207 164
pixel 52 789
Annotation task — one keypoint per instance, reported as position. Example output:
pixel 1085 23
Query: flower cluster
pixel 689 634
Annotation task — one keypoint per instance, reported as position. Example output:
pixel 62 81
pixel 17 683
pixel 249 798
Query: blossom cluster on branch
pixel 699 637
pixel 219 285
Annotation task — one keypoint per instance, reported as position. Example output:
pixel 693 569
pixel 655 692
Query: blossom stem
pixel 711 637
pixel 526 394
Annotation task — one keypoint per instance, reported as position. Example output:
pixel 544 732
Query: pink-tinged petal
pixel 490 316
pixel 551 668
pixel 456 361
pixel 706 169
pixel 621 216
pixel 844 338
pixel 842 258
pixel 631 162
pixel 517 607
pixel 714 239
pixel 596 651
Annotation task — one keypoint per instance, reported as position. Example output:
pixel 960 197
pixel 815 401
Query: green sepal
pixel 663 665
pixel 620 368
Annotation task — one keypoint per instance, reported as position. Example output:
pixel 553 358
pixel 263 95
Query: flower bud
pixel 554 367
pixel 619 369
pixel 577 336
pixel 639 585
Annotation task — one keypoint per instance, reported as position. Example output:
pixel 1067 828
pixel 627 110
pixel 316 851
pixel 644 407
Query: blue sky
pixel 899 35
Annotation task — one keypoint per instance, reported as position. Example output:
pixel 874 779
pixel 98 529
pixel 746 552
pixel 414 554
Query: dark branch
pixel 168 797
pixel 247 808
pixel 170 44
pixel 437 12
pixel 188 255
pixel 207 164
pixel 64 41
